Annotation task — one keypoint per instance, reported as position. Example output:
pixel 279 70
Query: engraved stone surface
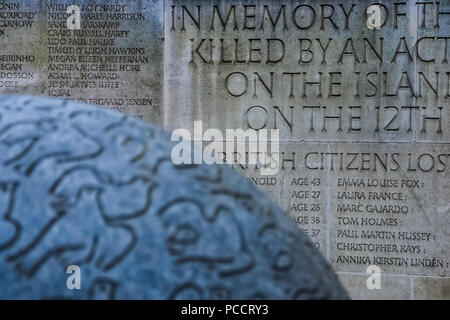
pixel 114 59
pixel 360 100
pixel 81 185
pixel 362 110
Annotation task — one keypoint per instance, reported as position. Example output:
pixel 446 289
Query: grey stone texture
pixel 366 141
pixel 380 113
pixel 115 59
pixel 82 185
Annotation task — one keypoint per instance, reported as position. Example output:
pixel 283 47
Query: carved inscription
pixel 109 60
pixel 362 109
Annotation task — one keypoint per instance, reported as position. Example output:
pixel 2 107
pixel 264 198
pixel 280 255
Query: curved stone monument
pixel 91 195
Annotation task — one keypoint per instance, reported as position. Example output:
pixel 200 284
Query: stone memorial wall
pixel 359 91
pixel 362 111
pixel 114 58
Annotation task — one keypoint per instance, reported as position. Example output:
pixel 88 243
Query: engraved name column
pixel 19 57
pixel 100 52
pixel 106 59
